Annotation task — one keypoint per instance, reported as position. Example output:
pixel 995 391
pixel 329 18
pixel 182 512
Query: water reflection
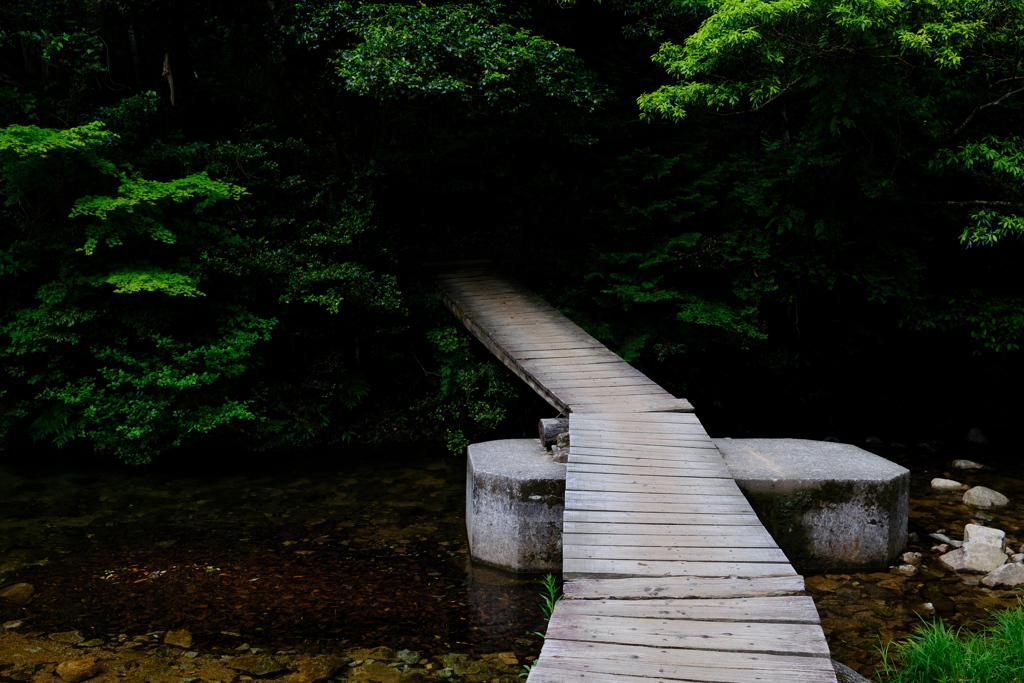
pixel 320 551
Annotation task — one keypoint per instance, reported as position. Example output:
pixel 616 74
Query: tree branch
pixel 983 202
pixel 766 102
pixel 984 106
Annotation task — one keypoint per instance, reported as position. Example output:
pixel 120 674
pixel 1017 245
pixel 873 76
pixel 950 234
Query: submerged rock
pixel 982 551
pixel 76 670
pixel 943 538
pixel 967 465
pixel 316 669
pixel 182 639
pixel 1008 576
pixel 18 593
pixel 982 497
pixel 911 558
pixel 256 665
pixel 977 436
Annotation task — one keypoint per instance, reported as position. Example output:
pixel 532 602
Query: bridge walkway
pixel 669 574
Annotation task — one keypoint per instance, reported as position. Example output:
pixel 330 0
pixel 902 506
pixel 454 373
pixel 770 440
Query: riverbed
pixel 320 552
pixel 363 548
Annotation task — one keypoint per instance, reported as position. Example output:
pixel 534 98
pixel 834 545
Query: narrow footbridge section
pixel 669 574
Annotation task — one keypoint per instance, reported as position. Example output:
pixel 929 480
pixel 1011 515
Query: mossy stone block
pixel 828 505
pixel 515 500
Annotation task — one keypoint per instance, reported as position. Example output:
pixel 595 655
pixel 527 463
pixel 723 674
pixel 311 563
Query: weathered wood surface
pixel 560 361
pixel 671 576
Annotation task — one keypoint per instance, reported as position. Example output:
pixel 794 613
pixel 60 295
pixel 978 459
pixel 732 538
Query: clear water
pixel 321 551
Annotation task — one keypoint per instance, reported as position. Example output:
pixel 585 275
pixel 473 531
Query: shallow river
pixel 321 552
pixel 366 547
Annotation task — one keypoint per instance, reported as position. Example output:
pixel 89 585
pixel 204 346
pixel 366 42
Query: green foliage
pixel 471 395
pixel 941 654
pixel 548 595
pixel 463 50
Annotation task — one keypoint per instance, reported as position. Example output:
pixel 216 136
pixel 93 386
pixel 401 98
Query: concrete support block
pixel 828 505
pixel 515 499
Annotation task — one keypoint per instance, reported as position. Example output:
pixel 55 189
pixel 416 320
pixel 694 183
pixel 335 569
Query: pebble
pixel 75 670
pixel 967 465
pixel 977 436
pixel 18 593
pixel 947 485
pixel 907 569
pixel 984 497
pixel 182 639
pixel 911 558
pixel 943 538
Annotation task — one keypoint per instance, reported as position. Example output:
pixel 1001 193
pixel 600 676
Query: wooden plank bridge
pixel 669 574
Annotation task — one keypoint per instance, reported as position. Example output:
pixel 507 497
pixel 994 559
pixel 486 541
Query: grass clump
pixel 938 653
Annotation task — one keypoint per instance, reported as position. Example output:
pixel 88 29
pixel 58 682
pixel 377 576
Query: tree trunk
pixel 169 75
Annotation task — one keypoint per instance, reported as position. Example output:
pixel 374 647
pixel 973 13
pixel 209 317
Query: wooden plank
pixel 673 418
pixel 678 404
pixel 679 470
pixel 658 518
pixel 632 380
pixel 638 389
pixel 672 553
pixel 620 370
pixel 584 484
pixel 631 449
pixel 694 451
pixel 792 609
pixel 569 355
pixel 640 466
pixel 608 536
pixel 687 665
pixel 573 568
pixel 670 484
pixel 545 674
pixel 640 506
pixel 579 497
pixel 610 438
pixel 675 531
pixel 589 423
pixel 805 639
pixel 564 344
pixel 542 674
pixel 643 462
pixel 681 587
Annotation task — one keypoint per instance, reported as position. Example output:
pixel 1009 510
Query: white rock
pixel 981 552
pixel 907 569
pixel 911 558
pixel 967 465
pixel 943 538
pixel 941 548
pixel 1007 576
pixel 982 497
pixel 1017 557
pixel 947 485
pixel 977 559
pixel 984 535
